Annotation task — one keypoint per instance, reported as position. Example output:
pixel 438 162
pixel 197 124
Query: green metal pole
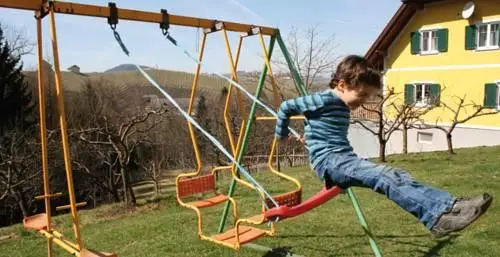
pixel 251 118
pixel 362 220
pixel 354 200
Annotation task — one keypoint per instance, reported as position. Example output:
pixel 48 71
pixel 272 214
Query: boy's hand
pixel 285 140
pixel 302 140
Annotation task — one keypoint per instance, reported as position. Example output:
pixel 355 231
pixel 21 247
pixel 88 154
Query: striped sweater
pixel 326 125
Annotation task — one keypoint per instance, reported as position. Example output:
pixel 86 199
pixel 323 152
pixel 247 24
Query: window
pixel 492 95
pixel 429 41
pixel 424 137
pixel 422 94
pixel 483 36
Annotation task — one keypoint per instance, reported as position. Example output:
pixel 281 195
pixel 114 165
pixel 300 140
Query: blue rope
pixel 192 121
pixel 269 109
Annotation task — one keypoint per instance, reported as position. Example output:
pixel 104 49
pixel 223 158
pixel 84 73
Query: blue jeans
pixel 424 202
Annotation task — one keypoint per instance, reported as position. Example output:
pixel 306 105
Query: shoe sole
pixel 488 199
pixel 487 203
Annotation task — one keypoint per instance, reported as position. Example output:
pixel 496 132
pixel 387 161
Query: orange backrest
pixel 196 185
pixel 289 199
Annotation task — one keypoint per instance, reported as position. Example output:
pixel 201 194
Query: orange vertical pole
pixel 64 132
pixel 43 131
pixel 191 103
pixel 234 66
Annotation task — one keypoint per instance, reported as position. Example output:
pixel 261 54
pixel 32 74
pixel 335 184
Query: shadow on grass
pixel 350 236
pixel 434 251
pixel 279 252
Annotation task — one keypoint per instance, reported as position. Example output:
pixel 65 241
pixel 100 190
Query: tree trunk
pixel 128 193
pixel 405 140
pixel 21 201
pixel 381 155
pixel 157 187
pixel 113 190
pixel 449 139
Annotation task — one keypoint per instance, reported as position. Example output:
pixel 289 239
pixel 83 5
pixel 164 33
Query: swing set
pixel 274 208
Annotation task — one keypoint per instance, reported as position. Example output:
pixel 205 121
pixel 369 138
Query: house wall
pixel 461 73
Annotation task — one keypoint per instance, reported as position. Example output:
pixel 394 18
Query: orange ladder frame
pixel 42 223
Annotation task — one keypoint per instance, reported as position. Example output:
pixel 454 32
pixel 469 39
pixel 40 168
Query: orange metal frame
pixel 43 222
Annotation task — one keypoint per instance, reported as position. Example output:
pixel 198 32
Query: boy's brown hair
pixel 355 71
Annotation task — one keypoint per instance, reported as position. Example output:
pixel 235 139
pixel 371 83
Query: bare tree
pixel 18 41
pixel 113 121
pixel 410 116
pixel 384 126
pixel 314 55
pixel 101 171
pixel 153 172
pixel 18 170
pixel 121 140
pixel 458 118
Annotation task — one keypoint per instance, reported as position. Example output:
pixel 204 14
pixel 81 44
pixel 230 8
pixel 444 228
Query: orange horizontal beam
pixel 41 197
pixel 133 15
pixel 65 207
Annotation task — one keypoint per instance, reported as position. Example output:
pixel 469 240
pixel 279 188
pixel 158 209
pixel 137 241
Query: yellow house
pixel 441 50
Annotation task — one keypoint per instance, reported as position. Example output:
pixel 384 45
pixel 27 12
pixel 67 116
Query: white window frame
pixel 424 102
pixel 419 137
pixel 488 35
pixel 429 51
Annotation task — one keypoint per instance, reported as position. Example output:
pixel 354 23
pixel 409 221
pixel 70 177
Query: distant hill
pixel 126 67
pixel 129 82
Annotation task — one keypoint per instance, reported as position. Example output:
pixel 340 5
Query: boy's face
pixel 354 97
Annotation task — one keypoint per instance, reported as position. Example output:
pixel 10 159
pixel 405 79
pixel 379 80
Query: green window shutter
pixel 470 37
pixel 435 94
pixel 409 94
pixel 415 42
pixel 490 95
pixel 442 35
pixel 498 31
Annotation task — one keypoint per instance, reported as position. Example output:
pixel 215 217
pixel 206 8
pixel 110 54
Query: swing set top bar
pixel 133 15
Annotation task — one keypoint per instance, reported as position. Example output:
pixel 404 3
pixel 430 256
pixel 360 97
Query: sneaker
pixel 463 213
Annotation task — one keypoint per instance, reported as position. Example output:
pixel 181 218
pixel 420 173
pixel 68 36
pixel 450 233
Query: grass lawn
pixel 165 229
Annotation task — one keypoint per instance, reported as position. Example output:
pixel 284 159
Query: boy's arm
pixel 295 107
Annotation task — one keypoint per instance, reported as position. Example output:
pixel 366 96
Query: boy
pixel 332 157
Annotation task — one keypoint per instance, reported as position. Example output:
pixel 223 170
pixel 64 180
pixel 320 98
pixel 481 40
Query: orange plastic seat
pixel 289 199
pixel 191 186
pixel 209 202
pixel 246 234
pixel 200 184
pixel 36 222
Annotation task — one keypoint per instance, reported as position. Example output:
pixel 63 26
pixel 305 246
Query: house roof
pixel 377 51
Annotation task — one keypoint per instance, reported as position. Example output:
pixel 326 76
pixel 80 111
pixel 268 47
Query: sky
pixel 89 42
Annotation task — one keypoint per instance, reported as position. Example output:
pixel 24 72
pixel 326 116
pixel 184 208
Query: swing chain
pixel 113 15
pixel 113 21
pixel 45 8
pixel 165 25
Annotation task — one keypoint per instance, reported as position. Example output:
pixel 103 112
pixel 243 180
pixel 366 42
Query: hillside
pixel 177 83
pixel 126 67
